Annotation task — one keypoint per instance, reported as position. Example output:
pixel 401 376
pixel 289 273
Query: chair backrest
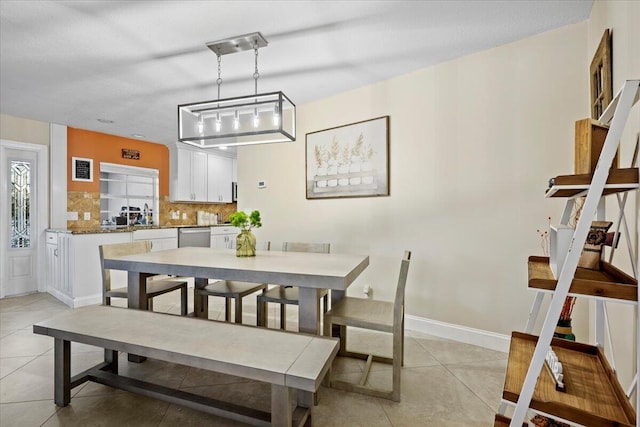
pixel 398 305
pixel 320 248
pixel 119 249
pixel 261 246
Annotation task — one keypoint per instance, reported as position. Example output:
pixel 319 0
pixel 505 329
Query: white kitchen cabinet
pixel 73 266
pixel 57 268
pixel 223 237
pixel 73 261
pixel 199 176
pixel 188 171
pixel 219 177
pixel 161 239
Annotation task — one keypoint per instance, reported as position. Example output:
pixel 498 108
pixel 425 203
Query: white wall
pixel 473 143
pixel 23 130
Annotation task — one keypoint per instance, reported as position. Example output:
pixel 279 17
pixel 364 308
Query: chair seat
pixel 364 313
pixel 286 295
pixel 154 288
pixel 225 288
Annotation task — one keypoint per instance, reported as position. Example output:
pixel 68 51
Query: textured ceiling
pixel 133 62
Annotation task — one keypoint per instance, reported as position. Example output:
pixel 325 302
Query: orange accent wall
pixel 102 147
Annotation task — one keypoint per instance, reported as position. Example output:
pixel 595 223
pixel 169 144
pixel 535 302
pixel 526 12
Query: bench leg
pixel 281 399
pixel 62 372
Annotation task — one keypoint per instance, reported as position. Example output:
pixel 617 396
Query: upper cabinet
pixel 220 175
pixel 198 176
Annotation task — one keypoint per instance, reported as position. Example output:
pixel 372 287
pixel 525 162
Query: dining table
pixel 310 272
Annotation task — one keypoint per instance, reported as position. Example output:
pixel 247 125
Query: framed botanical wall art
pixel 349 161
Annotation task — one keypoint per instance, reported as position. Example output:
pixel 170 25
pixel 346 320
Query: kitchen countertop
pixel 127 229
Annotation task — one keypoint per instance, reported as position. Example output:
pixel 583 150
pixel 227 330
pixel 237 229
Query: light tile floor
pixel 443 382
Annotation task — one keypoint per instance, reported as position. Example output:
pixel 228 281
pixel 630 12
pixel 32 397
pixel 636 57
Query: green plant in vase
pixel 246 240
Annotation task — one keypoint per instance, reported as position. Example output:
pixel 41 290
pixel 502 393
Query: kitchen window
pixel 128 195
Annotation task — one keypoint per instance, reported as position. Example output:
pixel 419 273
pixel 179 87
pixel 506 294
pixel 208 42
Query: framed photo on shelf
pixel 81 169
pixel 348 161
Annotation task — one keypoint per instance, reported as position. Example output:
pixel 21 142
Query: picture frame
pixel 601 76
pixel 81 169
pixel 348 161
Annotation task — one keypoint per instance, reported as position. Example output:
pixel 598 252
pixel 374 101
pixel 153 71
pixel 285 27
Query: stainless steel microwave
pixel 234 191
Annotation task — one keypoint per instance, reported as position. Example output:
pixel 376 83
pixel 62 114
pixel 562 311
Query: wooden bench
pixel 294 364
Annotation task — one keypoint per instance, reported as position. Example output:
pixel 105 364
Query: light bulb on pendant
pixel 256 119
pixel 276 116
pixel 200 125
pixel 236 121
pixel 218 123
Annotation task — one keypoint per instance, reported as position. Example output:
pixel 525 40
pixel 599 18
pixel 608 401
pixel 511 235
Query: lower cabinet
pixel 161 239
pixel 224 237
pixel 73 266
pixel 73 271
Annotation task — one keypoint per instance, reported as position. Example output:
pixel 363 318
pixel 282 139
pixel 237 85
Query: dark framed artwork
pixel 348 161
pixel 81 169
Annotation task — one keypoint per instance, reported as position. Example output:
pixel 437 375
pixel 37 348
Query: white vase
pixel 321 171
pixel 332 170
pixel 355 166
pixel 343 169
pixel 367 167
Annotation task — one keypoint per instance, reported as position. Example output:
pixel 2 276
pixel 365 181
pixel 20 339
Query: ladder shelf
pixel 594 396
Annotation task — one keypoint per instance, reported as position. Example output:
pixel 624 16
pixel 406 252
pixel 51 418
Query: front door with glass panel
pixel 19 214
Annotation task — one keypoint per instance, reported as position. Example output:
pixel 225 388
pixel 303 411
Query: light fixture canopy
pixel 245 120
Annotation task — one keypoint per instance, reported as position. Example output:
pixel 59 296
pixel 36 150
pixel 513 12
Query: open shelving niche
pixel 594 396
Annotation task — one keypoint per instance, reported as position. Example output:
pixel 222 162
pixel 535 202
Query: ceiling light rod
pixel 226 122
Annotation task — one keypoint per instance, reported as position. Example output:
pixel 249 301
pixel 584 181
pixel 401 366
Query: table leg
pixel 137 298
pixel 62 372
pixel 335 297
pixel 111 357
pixel 137 290
pixel 281 398
pixel 200 302
pixel 309 311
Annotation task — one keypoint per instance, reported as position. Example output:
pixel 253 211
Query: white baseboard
pixel 75 302
pixel 465 334
pixel 90 300
pixel 61 296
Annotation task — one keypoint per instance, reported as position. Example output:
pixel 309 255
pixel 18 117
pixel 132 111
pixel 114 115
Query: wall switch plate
pixel 262 184
pixel 87 216
pixel 72 216
pixel 184 215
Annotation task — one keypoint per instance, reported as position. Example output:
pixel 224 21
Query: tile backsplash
pixel 191 209
pixel 82 202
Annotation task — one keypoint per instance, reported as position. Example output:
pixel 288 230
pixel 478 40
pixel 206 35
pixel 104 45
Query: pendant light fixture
pixel 253 119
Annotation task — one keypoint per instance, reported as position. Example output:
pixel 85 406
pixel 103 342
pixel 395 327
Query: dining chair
pixel 156 285
pixel 230 289
pixel 284 295
pixel 374 315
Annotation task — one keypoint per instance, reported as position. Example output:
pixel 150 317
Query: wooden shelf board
pixel 609 282
pixel 594 396
pixel 619 180
pixel 502 421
